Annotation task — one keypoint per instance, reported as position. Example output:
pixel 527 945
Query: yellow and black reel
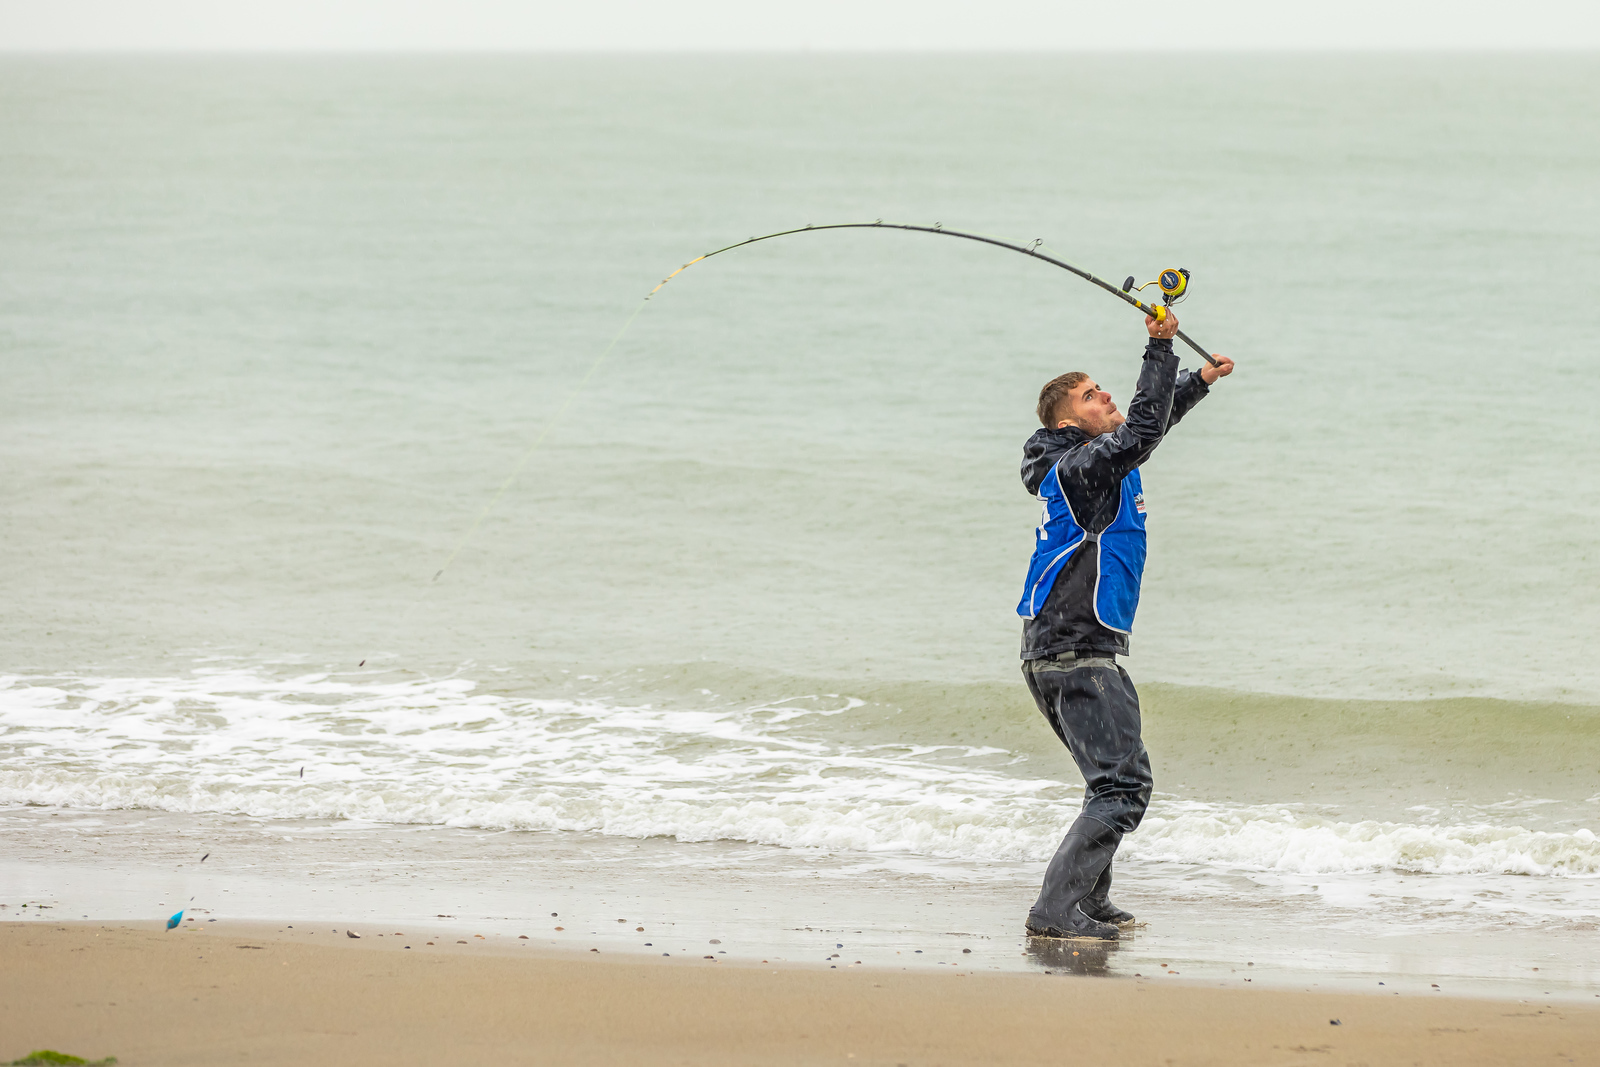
pixel 1174 282
pixel 1174 285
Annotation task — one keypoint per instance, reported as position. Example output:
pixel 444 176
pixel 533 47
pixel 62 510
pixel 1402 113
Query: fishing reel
pixel 1174 285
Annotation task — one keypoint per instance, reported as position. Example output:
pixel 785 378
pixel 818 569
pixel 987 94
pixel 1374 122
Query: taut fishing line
pixel 550 424
pixel 1173 284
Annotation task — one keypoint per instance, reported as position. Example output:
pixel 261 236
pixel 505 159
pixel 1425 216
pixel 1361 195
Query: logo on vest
pixel 1138 503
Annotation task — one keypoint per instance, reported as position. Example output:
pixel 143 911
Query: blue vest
pixel 1122 551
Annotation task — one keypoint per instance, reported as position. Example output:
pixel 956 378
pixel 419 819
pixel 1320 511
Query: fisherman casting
pixel 1078 605
pixel 1083 582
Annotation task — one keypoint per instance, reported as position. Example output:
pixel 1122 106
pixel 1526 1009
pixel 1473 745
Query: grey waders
pixel 1074 872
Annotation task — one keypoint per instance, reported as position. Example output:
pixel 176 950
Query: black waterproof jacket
pixel 1092 470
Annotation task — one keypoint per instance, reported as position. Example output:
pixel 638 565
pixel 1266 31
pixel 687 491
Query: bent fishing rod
pixel 1173 282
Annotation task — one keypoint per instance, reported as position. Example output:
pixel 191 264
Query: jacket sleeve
pixel 1191 389
pixel 1099 465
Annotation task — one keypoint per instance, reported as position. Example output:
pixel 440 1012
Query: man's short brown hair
pixel 1055 391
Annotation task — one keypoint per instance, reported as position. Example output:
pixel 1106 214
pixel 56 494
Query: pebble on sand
pixel 352 933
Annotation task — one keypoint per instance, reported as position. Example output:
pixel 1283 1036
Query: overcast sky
pixel 797 24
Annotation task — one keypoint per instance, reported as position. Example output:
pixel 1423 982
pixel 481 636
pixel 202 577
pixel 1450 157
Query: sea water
pixel 276 333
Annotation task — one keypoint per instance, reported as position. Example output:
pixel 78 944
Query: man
pixel 1079 601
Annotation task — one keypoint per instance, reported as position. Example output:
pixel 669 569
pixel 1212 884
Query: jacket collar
pixel 1042 451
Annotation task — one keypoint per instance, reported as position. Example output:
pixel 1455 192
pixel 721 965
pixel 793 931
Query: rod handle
pixel 1159 313
pixel 1186 339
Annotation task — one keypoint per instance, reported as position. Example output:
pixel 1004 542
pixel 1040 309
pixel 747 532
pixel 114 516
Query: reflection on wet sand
pixel 1073 956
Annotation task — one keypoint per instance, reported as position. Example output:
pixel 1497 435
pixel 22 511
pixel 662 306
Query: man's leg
pixel 1093 706
pixel 1097 903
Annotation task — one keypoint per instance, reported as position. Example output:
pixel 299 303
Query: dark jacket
pixel 1092 470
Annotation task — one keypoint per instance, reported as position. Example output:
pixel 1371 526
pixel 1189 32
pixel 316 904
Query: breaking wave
pixel 439 751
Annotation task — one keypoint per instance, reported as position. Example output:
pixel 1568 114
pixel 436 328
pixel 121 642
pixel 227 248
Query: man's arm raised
pixel 1102 462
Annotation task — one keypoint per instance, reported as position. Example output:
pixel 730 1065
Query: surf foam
pixel 438 751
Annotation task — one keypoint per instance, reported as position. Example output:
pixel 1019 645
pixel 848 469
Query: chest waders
pixel 1092 703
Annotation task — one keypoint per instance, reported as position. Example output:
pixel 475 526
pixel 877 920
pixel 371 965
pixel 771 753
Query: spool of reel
pixel 1174 281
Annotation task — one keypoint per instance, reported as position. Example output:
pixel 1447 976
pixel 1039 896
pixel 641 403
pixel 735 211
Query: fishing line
pixel 550 424
pixel 1173 284
pixel 572 394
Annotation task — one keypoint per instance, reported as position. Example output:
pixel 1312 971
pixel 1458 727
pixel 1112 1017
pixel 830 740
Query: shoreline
pixel 763 903
pixel 247 993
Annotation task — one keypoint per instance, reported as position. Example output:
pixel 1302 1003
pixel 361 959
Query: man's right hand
pixel 1166 329
pixel 1220 369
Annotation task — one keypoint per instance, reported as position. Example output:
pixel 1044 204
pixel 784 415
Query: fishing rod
pixel 1173 282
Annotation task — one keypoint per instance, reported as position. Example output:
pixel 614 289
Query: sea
pixel 351 481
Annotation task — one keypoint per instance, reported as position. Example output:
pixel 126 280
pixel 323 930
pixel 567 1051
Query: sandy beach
pixel 253 994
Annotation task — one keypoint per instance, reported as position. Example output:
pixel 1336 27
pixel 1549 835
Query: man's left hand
pixel 1210 374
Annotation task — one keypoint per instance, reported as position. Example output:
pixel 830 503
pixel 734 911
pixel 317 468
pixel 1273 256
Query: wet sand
pixel 789 905
pixel 232 993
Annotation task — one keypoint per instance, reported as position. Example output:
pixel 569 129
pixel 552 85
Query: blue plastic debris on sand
pixel 175 920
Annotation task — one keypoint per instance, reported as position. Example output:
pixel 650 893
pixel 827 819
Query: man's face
pixel 1091 410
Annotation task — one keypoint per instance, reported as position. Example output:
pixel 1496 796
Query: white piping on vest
pixel 1099 571
pixel 1033 608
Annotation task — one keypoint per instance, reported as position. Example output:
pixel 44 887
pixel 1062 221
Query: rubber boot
pixel 1097 902
pixel 1085 852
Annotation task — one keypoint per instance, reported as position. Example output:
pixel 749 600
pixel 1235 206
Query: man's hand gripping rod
pixel 1174 282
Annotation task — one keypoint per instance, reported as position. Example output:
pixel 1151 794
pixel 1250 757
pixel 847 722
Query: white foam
pixel 437 751
pixel 1289 841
